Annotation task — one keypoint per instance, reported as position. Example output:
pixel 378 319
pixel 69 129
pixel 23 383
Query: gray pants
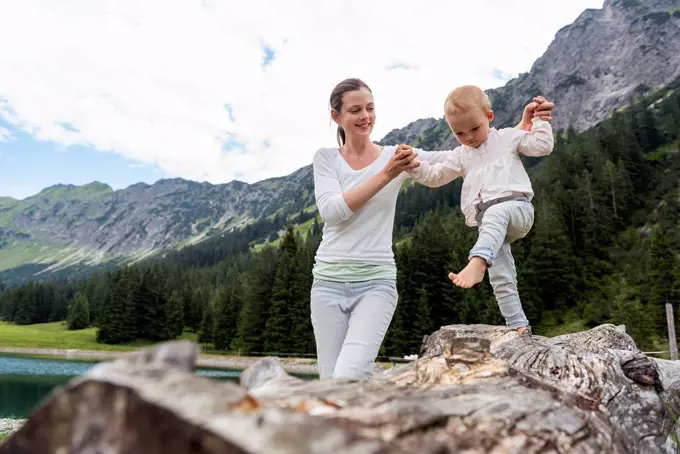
pixel 501 225
pixel 350 320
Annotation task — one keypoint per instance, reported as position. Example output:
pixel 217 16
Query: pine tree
pixel 662 274
pixel 118 324
pixel 259 281
pixel 79 313
pixel 423 323
pixel 629 311
pixel 228 307
pixel 25 307
pixel 549 274
pixel 303 332
pixel 221 323
pixel 428 263
pixel 395 343
pixel 645 127
pixel 206 331
pixel 174 314
pixel 150 303
pixel 193 311
pixel 60 306
pixel 286 293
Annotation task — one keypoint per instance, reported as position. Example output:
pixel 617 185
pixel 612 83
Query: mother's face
pixel 357 114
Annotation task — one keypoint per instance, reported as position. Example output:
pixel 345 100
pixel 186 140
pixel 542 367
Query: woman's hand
pixel 540 108
pixel 401 161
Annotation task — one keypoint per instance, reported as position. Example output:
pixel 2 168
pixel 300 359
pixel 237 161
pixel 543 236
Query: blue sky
pixel 242 91
pixel 27 166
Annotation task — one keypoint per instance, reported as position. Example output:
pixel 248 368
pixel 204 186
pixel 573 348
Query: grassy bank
pixel 55 335
pixel 55 341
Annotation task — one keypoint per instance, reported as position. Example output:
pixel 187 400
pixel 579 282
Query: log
pixel 474 389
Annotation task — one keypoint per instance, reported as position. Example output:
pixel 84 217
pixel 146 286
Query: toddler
pixel 496 193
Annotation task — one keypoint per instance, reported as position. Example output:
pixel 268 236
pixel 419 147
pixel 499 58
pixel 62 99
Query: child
pixel 496 193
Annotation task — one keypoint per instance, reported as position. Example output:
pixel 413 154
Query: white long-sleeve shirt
pixel 363 237
pixel 366 235
pixel 490 171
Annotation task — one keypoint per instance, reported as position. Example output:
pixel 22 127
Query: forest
pixel 603 250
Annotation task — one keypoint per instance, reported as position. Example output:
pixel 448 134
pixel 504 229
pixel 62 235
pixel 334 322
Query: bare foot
pixel 472 274
pixel 521 330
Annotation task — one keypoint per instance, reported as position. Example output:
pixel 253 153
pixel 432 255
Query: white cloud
pixel 152 80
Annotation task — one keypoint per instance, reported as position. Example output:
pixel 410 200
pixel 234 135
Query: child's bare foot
pixel 472 274
pixel 521 330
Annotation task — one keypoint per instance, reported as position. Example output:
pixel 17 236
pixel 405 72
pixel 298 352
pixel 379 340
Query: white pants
pixel 501 225
pixel 350 320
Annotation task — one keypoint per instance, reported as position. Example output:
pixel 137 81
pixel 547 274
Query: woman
pixel 354 293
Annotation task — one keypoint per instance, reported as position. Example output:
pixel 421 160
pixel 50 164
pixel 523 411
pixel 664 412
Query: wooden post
pixel 672 343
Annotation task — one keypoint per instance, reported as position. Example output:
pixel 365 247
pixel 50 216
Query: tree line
pixel 603 250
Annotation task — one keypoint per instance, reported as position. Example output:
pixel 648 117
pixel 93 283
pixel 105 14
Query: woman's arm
pixel 336 206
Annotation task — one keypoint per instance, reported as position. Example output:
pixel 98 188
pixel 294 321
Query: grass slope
pixel 55 335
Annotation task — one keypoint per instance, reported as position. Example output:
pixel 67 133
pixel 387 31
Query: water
pixel 24 382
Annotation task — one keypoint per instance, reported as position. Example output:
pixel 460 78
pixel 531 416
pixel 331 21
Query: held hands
pixel 403 160
pixel 540 108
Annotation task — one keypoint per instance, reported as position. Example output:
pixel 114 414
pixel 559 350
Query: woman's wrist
pixel 387 176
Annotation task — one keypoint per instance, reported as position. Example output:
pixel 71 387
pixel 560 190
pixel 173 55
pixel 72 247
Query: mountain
pixel 593 67
pixel 65 225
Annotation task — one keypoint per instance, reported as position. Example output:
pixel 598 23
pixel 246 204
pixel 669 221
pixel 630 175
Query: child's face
pixel 470 127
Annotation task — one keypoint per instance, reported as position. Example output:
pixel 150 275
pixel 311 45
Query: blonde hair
pixel 465 98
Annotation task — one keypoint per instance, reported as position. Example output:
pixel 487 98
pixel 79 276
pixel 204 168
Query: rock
pixel 473 389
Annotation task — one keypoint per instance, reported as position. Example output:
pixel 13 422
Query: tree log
pixel 474 389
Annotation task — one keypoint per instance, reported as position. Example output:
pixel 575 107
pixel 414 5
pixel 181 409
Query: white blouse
pixel 490 171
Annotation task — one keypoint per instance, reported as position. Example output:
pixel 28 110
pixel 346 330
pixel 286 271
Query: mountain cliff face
pixel 593 67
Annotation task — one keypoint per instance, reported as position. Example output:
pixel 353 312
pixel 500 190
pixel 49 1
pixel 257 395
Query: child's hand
pixel 402 161
pixel 407 149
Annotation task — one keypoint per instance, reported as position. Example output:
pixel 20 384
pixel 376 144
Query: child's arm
pixel 538 142
pixel 438 168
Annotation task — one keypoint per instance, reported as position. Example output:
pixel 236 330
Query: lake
pixel 25 381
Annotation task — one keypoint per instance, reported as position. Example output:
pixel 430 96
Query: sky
pixel 126 91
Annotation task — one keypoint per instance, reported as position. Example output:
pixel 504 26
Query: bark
pixel 474 389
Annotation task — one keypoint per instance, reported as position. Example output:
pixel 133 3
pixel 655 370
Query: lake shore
pixel 301 366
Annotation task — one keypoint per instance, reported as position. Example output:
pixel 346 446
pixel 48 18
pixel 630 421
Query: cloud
pixel 212 90
pixel 5 134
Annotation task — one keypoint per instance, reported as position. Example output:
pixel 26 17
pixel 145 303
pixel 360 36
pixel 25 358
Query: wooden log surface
pixel 474 389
